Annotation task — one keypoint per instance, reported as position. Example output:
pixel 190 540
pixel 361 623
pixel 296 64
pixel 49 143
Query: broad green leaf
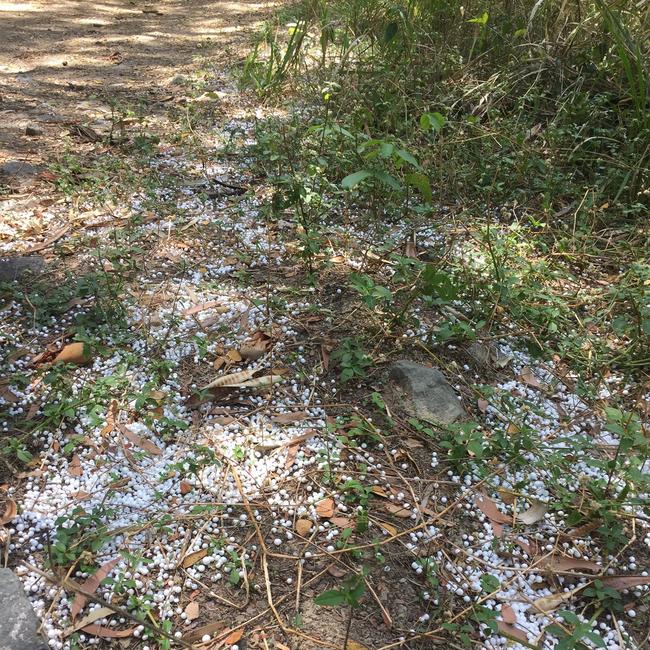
pixel 354 179
pixel 421 183
pixel 432 121
pixel 390 32
pixel 408 157
pixel 387 179
pixel 331 598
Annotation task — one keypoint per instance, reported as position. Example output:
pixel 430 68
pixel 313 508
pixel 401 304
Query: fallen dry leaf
pixel 11 510
pixel 389 528
pixel 325 508
pixel 259 382
pixel 229 380
pixel 202 307
pixel 74 467
pixel 528 377
pixel 511 631
pixel 253 352
pixel 397 510
pixel 192 611
pixel 303 527
pixel 196 634
pixel 564 563
pixel 292 451
pixel 336 571
pixel 111 418
pixel 625 582
pixel 507 496
pixel 138 441
pixel 534 514
pixel 490 510
pixel 107 632
pixel 288 418
pixel 483 405
pixel 73 353
pixel 90 586
pixel 341 522
pixel 550 603
pixel 412 443
pixel 185 487
pixel 95 615
pixel 233 637
pixel 508 615
pixel 233 356
pixel 192 558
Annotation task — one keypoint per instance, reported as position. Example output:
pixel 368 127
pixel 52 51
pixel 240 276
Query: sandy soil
pixel 65 63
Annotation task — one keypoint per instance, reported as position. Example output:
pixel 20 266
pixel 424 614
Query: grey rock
pixel 21 171
pixel 18 623
pixel 14 267
pixel 33 130
pixel 429 396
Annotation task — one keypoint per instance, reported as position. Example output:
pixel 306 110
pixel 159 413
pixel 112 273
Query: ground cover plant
pixel 209 432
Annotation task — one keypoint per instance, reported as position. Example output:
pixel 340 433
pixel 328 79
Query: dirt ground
pixel 65 63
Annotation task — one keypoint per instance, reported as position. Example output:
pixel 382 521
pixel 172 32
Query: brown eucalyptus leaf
pixel 192 558
pixel 565 563
pixel 202 307
pixel 73 353
pixel 259 382
pixel 548 604
pixel 511 631
pixel 107 632
pixel 490 510
pixel 508 615
pixel 398 510
pixel 389 528
pixel 625 582
pixel 95 615
pixel 289 418
pixel 341 522
pixel 138 441
pixel 91 585
pixel 231 380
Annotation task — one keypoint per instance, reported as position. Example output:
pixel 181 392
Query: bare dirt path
pixel 68 62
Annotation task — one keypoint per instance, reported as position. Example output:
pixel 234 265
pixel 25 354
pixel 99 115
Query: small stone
pixel 429 396
pixel 18 623
pixel 13 268
pixel 33 130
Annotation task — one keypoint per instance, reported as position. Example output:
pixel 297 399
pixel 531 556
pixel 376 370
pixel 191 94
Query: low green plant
pixel 349 594
pixel 352 360
pixel 572 635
